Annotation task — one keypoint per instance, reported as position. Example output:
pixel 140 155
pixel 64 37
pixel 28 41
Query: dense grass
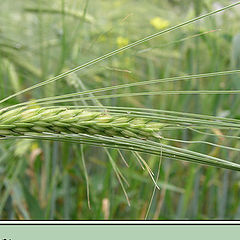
pixel 43 179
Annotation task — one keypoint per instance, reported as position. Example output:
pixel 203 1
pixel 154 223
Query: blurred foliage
pixel 47 180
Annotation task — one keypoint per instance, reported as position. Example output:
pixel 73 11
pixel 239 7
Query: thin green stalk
pixel 135 84
pixel 110 54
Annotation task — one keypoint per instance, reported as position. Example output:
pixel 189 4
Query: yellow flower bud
pixel 159 23
pixel 121 42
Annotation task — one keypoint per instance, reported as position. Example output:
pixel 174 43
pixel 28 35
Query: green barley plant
pixel 59 126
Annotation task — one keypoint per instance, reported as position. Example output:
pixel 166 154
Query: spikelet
pixel 22 121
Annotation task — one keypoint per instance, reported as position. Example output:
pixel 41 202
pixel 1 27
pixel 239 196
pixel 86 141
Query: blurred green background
pixel 41 39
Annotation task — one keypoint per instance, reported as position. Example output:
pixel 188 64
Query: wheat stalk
pixel 22 121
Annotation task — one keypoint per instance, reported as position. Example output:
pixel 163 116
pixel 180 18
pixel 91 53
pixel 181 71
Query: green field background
pixel 50 180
